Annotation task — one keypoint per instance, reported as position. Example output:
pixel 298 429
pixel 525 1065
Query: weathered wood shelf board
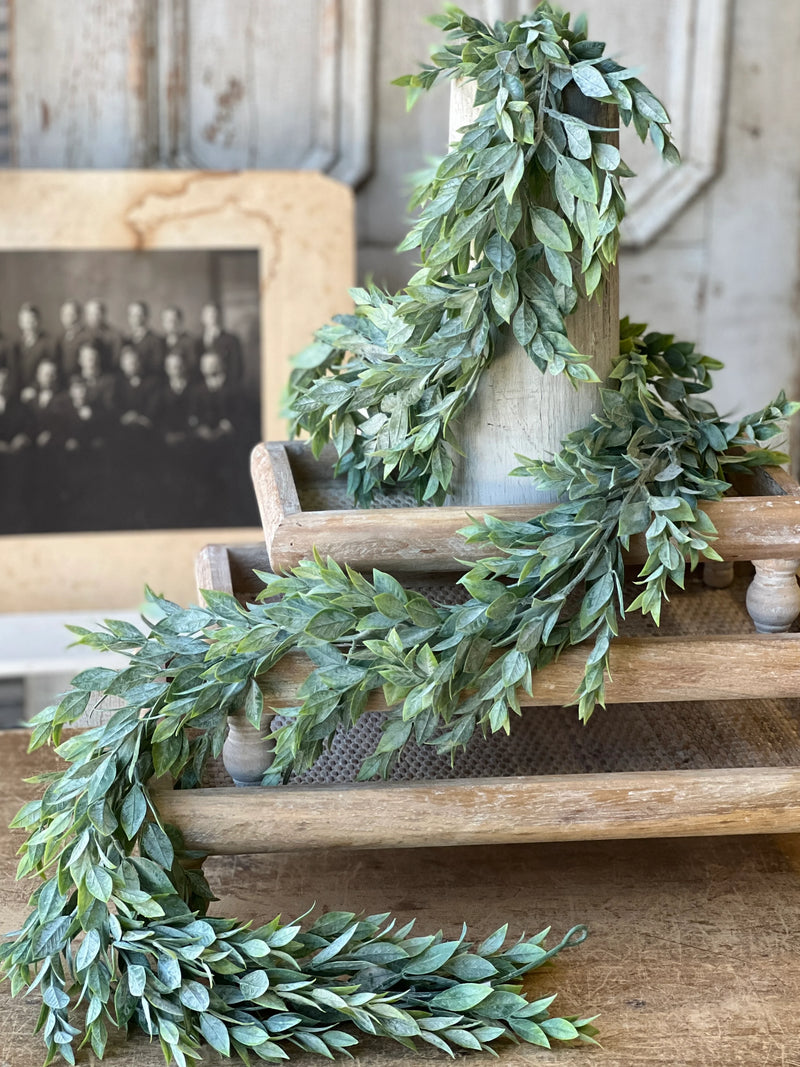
pixel 659 802
pixel 304 506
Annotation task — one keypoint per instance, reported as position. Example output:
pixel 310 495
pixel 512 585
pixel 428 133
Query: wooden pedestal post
pixel 516 408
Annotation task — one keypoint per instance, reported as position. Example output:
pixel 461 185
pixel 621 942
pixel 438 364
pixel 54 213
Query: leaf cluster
pixel 520 219
pixel 116 925
pixel 112 939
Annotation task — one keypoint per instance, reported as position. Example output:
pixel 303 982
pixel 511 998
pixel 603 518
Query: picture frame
pixel 301 225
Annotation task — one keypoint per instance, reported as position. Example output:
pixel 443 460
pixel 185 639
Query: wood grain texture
pixel 693 958
pixel 213 569
pixel 516 410
pixel 274 486
pixel 488 810
pixel 750 527
pixel 643 670
pixel 302 226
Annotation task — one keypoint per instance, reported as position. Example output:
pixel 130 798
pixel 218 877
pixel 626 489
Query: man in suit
pixel 180 480
pixel 227 428
pixel 133 444
pixel 99 386
pixel 102 334
pixel 42 399
pixel 133 394
pixel 16 439
pixel 71 338
pixel 32 347
pixel 177 339
pixel 148 344
pixel 213 338
pixel 83 462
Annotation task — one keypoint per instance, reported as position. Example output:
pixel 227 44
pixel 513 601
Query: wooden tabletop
pixel 693 958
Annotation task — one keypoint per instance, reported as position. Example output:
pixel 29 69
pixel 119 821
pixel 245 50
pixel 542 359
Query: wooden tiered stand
pixel 303 507
pixel 421 544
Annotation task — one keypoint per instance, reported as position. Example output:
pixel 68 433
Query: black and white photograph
pixel 129 389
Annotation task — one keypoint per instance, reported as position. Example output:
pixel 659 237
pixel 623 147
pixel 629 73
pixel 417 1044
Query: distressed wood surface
pixel 585 807
pixel 749 527
pixel 516 409
pixel 643 670
pixel 693 955
pixel 212 569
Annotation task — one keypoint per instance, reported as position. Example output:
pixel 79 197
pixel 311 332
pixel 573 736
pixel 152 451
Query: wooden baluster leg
pixel 247 753
pixel 717 574
pixel 773 598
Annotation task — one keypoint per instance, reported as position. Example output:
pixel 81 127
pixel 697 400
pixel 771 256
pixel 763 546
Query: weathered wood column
pixel 516 408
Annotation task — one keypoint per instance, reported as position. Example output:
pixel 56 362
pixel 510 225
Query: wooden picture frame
pixel 301 224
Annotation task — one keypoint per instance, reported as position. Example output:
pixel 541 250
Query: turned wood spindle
pixel 718 574
pixel 247 752
pixel 773 598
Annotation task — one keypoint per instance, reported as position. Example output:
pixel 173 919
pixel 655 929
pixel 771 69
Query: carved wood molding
pixel 342 121
pixel 699 54
pixel 696 61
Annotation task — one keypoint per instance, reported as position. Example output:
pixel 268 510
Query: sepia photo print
pixel 129 389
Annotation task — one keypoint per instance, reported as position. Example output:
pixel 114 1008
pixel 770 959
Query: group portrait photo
pixel 129 389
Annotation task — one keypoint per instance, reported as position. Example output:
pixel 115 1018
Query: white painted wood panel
pixel 82 84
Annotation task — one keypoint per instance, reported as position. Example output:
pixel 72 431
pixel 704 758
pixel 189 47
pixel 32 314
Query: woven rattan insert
pixel 623 737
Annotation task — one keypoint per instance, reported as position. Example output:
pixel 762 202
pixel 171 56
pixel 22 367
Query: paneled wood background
pixel 711 250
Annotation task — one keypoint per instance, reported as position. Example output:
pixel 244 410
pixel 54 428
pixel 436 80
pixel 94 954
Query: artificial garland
pixel 116 921
pixel 387 384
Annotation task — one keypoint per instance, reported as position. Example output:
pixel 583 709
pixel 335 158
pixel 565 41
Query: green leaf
pixel 560 266
pixel 578 137
pixel 606 156
pixel 507 216
pixel 87 953
pixel 577 178
pixel 254 984
pixel 513 175
pixel 634 518
pixel 530 1031
pixel 500 252
pixel 524 323
pixel 460 998
pixel 590 81
pixel 551 230
pixel 336 946
pixel 137 978
pixel 432 959
pixel 155 843
pixel 650 107
pixel 330 624
pixel 133 811
pixel 560 1029
pixel 193 995
pixel 99 883
pixel 216 1033
pixel 471 968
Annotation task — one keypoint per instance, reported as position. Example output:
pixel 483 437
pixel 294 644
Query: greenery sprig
pixel 519 219
pixel 116 924
pixel 110 936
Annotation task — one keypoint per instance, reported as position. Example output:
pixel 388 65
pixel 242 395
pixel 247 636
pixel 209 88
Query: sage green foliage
pixel 655 450
pixel 116 920
pixel 118 939
pixel 519 219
